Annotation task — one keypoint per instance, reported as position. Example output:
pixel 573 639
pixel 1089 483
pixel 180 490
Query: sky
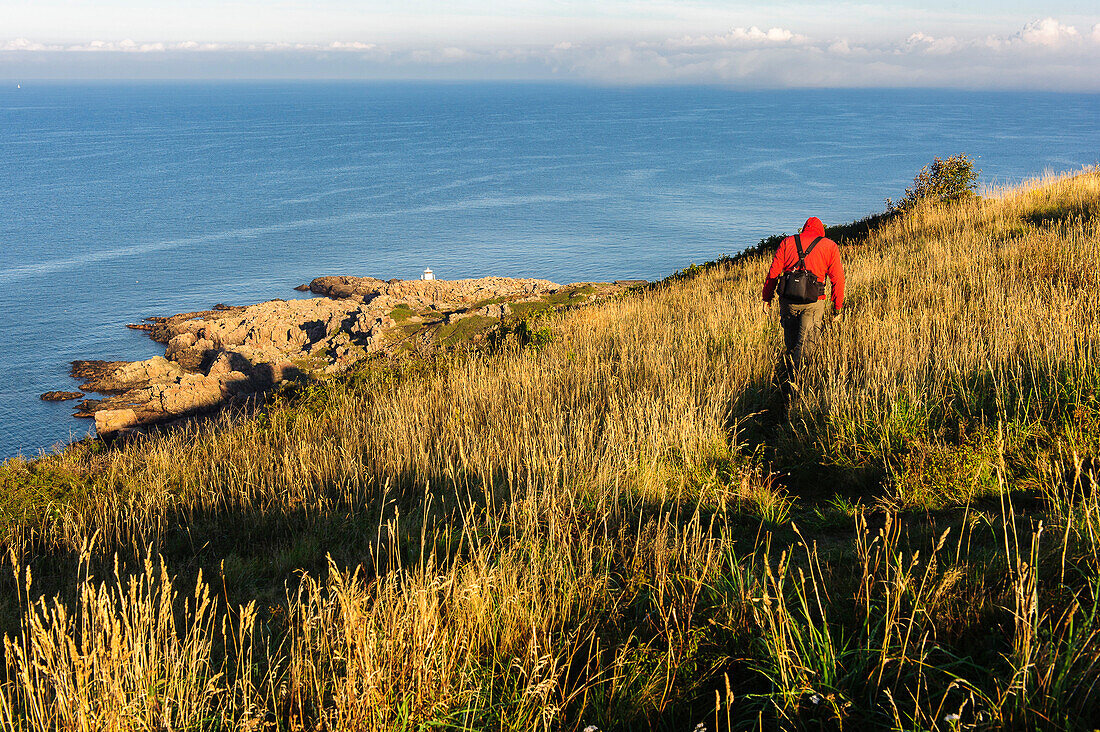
pixel 980 44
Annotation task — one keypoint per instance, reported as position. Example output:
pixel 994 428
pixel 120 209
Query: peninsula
pixel 230 353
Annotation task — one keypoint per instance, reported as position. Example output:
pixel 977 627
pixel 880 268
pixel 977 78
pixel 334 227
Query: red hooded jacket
pixel 823 261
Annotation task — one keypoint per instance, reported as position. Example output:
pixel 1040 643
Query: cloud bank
pixel 1043 54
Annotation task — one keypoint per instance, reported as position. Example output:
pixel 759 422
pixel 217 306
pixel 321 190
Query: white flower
pixel 591 728
pixel 817 698
pixel 951 718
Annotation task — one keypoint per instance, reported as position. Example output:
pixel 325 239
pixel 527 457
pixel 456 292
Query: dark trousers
pixel 802 326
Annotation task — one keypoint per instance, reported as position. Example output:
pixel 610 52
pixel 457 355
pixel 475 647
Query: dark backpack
pixel 800 285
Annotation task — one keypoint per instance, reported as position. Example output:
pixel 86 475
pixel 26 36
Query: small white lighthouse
pixel 427 275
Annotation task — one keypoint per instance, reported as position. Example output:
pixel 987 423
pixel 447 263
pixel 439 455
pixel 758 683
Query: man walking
pixel 801 265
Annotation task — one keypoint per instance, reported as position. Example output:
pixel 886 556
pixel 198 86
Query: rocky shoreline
pixel 229 354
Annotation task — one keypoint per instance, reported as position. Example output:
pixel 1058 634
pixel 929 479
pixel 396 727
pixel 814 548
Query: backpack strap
pixel 801 254
pixel 808 250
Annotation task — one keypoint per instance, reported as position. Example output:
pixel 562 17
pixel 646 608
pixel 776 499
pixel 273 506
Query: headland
pixel 229 354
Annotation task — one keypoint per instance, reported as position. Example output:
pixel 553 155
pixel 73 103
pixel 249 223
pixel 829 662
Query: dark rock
pixel 86 408
pixel 229 362
pixel 185 350
pixel 302 288
pixel 495 310
pixel 91 372
pixel 60 396
pixel 456 316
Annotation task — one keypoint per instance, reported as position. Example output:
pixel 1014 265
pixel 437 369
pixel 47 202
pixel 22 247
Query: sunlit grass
pixel 619 527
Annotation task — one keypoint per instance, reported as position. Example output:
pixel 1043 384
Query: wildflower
pixel 700 727
pixel 951 718
pixel 817 698
pixel 591 728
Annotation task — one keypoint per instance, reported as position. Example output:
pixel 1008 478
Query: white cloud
pixel 131 46
pixel 125 46
pixel 1044 53
pixel 918 39
pixel 21 44
pixel 923 43
pixel 453 53
pixel 738 37
pixel 1047 32
pixel 844 47
pixel 352 46
pixel 774 35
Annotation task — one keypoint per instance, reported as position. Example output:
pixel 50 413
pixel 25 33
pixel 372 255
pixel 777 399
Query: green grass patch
pixel 465 329
pixel 401 313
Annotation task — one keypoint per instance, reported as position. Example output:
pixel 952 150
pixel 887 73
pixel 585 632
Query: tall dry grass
pixel 598 532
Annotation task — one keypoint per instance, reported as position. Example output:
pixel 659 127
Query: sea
pixel 124 200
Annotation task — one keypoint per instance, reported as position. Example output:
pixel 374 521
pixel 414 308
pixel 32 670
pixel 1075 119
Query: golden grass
pixel 597 531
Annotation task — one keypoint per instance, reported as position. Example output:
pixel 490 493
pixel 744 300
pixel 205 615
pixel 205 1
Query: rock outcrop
pixel 433 294
pixel 213 357
pixel 60 396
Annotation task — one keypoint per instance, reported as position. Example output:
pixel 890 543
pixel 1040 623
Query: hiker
pixel 801 265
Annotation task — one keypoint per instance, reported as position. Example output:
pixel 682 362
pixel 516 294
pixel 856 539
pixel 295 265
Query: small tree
pixel 946 179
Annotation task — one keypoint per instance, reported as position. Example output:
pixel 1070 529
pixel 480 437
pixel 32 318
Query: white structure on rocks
pixel 427 275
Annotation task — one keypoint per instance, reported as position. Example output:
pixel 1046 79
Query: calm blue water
pixel 119 201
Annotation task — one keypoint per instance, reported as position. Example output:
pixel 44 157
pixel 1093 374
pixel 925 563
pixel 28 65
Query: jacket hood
pixel 813 228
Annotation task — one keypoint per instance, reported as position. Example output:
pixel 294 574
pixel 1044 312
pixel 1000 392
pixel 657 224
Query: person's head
pixel 813 227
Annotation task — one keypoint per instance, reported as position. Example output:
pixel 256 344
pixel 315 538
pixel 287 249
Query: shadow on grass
pixel 1069 215
pixel 259 555
pixel 856 232
pixel 782 434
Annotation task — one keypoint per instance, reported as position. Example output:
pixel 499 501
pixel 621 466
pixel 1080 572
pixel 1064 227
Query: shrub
pixel 525 334
pixel 946 179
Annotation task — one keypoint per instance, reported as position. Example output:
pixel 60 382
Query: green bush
pixel 526 334
pixel 946 179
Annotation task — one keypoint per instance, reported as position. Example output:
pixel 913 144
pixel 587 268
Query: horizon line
pixel 504 81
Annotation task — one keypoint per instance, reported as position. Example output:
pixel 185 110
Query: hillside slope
pixel 608 519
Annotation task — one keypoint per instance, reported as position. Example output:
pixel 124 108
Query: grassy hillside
pixel 616 525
